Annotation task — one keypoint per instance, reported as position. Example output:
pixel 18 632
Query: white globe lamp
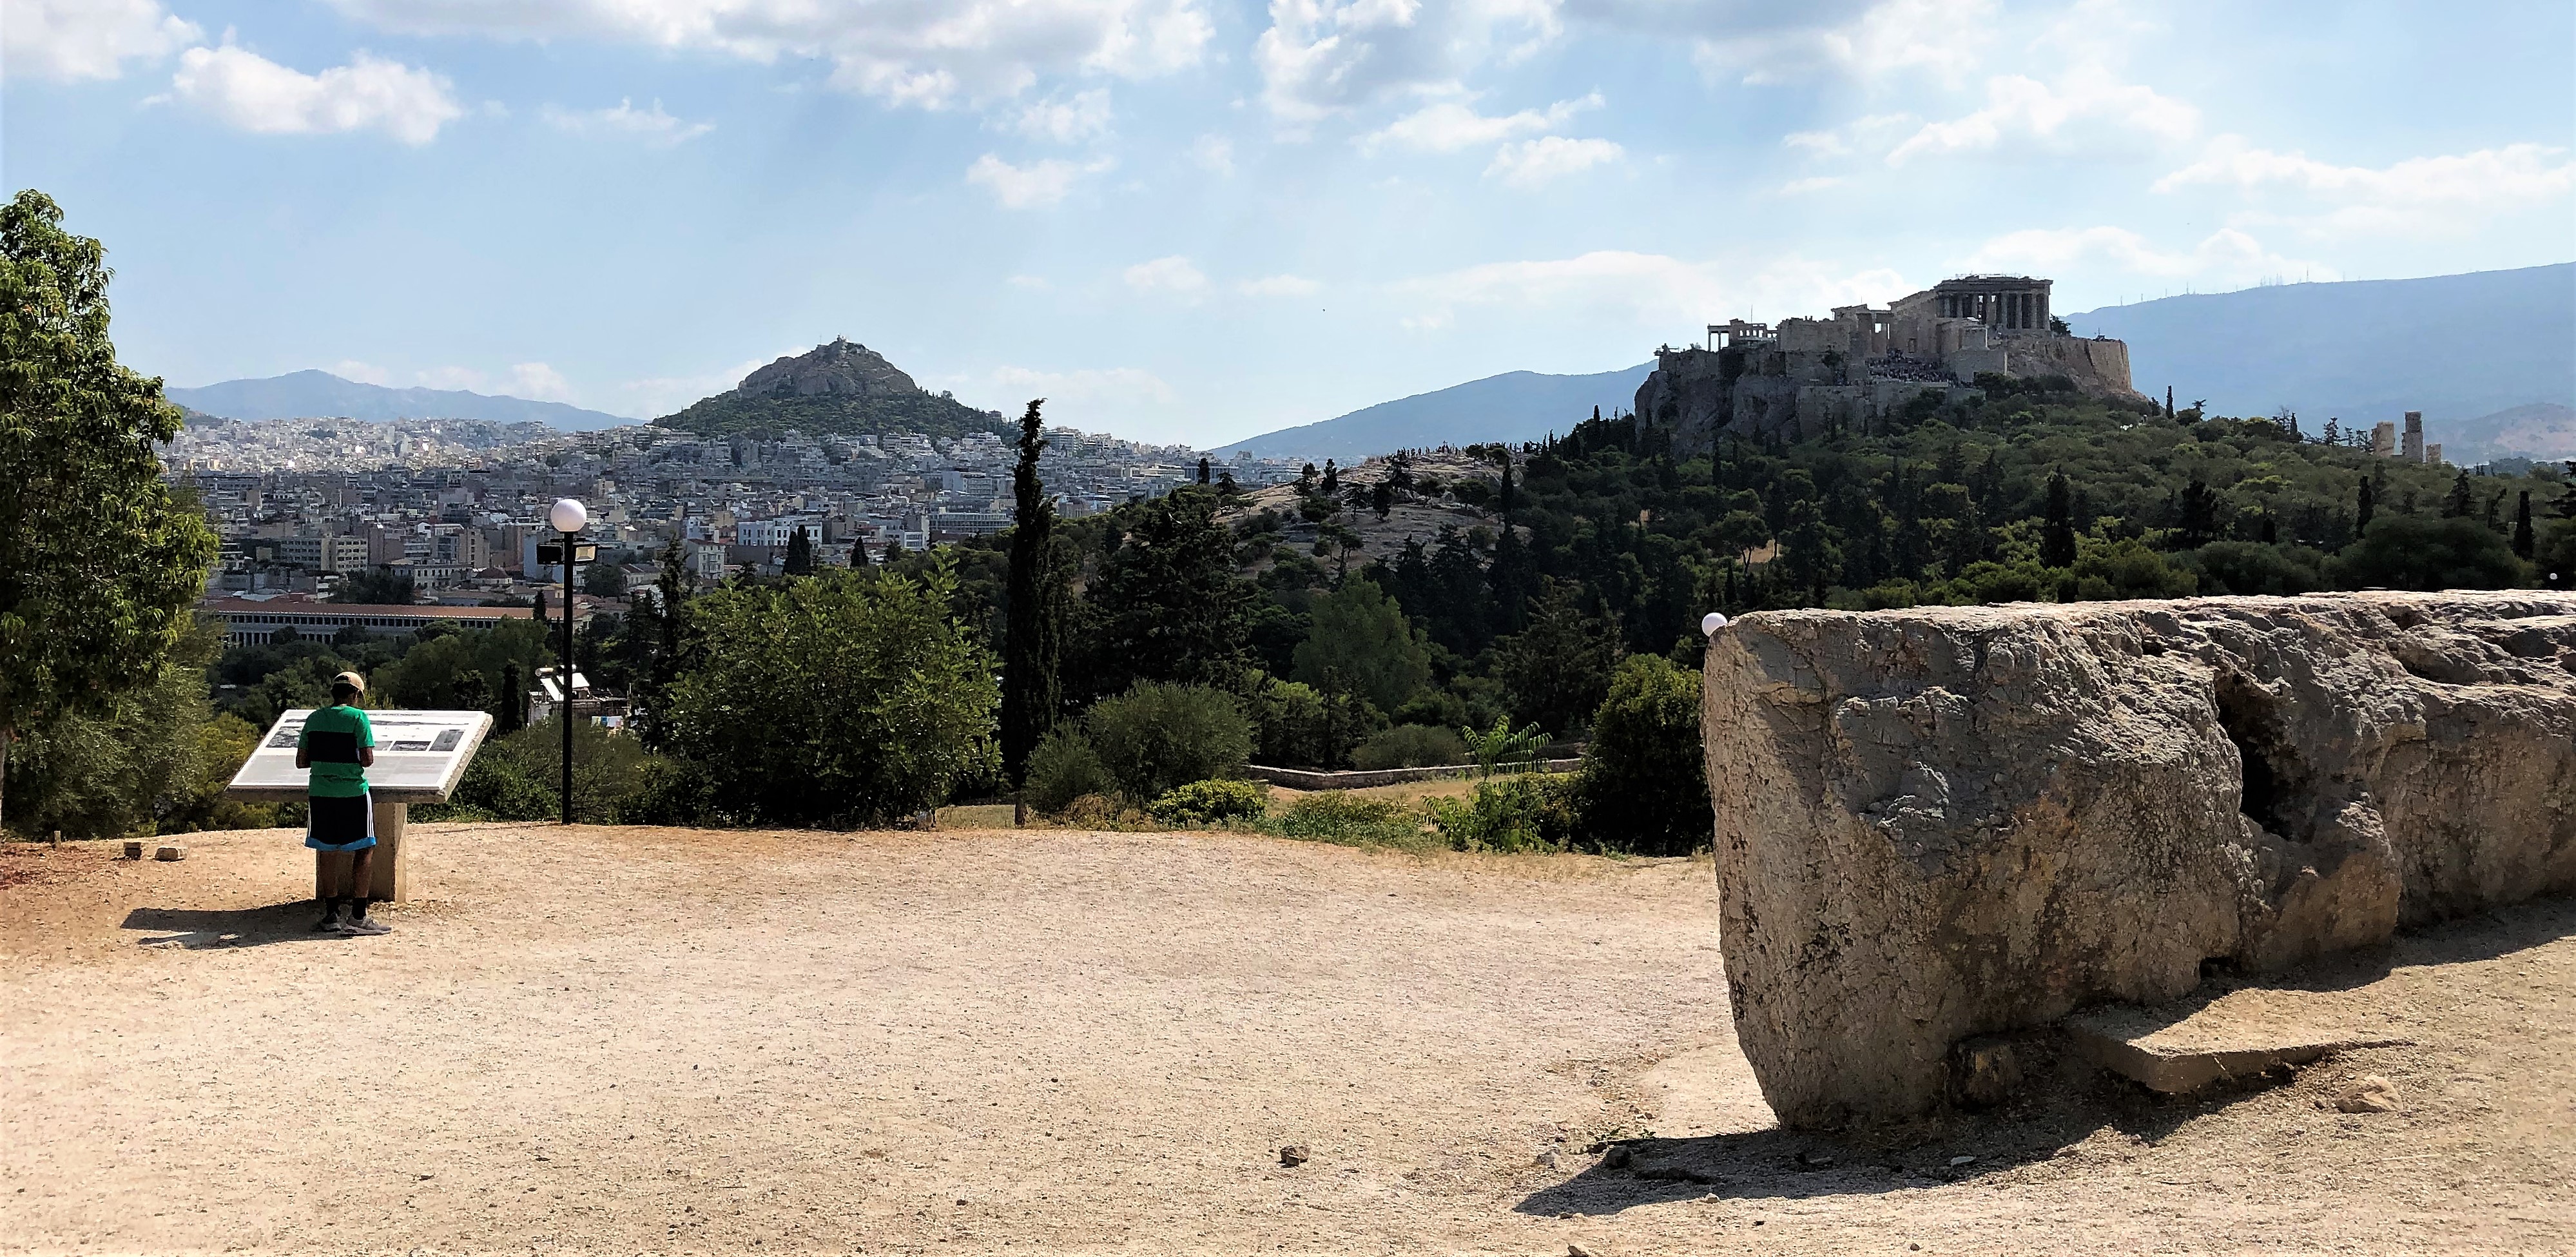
pixel 568 515
pixel 1709 624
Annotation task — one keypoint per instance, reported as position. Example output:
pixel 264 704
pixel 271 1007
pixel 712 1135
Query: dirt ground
pixel 643 1040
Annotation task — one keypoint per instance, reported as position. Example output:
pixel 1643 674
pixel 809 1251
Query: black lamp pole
pixel 563 679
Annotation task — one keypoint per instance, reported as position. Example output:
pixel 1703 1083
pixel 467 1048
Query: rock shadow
pixel 195 928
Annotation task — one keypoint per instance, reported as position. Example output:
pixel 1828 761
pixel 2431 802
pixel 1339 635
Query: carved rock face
pixel 1946 822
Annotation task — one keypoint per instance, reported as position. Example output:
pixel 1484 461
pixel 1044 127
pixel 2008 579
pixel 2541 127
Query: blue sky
pixel 1200 219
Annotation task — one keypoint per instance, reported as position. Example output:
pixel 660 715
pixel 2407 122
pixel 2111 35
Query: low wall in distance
pixel 1361 779
pixel 1945 822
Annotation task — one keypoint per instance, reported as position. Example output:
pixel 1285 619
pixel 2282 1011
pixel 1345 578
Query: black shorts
pixel 342 824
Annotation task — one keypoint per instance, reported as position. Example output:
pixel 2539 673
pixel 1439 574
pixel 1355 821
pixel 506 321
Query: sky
pixel 1196 220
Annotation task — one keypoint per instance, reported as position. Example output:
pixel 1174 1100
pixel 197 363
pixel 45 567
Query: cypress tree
pixel 2522 526
pixel 800 555
pixel 2361 521
pixel 1203 469
pixel 2057 535
pixel 513 713
pixel 1033 640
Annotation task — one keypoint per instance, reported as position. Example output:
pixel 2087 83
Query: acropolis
pixel 1861 364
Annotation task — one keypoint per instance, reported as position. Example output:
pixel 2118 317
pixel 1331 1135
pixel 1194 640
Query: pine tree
pixel 2057 534
pixel 513 713
pixel 1332 479
pixel 2455 504
pixel 1033 640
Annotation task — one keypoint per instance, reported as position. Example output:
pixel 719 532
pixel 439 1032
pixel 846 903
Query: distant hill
pixel 319 394
pixel 1513 406
pixel 2464 349
pixel 838 387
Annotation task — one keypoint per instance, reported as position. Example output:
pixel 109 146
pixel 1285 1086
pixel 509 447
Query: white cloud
pixel 1450 126
pixel 1643 289
pixel 1034 186
pixel 924 54
pixel 253 93
pixel 1214 153
pixel 537 381
pixel 655 396
pixel 1175 274
pixel 650 125
pixel 1280 286
pixel 1067 119
pixel 2087 112
pixel 361 372
pixel 1775 43
pixel 2452 192
pixel 1324 57
pixel 70 40
pixel 2227 256
pixel 1801 187
pixel 1536 163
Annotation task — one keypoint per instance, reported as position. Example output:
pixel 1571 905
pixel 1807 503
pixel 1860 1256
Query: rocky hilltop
pixel 842 387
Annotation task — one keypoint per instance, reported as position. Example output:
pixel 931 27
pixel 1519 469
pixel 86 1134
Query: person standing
pixel 338 745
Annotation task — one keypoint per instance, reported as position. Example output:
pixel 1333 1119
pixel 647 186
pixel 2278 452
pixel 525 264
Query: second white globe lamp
pixel 1709 624
pixel 568 515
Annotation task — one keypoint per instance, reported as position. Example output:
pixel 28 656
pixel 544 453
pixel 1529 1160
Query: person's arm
pixel 303 748
pixel 366 741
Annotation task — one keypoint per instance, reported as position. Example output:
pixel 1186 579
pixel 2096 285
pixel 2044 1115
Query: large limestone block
pixel 1946 822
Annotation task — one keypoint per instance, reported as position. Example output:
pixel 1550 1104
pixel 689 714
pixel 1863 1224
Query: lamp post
pixel 567 517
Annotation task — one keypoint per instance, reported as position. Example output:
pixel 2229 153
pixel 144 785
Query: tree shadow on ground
pixel 195 928
pixel 2065 1109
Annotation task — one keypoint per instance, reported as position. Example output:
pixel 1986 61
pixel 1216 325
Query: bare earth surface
pixel 651 1040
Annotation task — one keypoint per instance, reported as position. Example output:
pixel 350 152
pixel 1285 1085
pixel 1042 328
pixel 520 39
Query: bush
pixel 1411 746
pixel 1159 735
pixel 2421 552
pixel 1525 812
pixel 1211 803
pixel 836 699
pixel 1643 787
pixel 2254 567
pixel 1062 769
pixel 1338 818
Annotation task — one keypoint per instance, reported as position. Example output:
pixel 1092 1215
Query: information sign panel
pixel 420 756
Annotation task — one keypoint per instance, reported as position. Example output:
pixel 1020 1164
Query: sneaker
pixel 329 924
pixel 365 925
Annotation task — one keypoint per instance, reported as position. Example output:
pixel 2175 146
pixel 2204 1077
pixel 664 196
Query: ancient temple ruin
pixel 1852 370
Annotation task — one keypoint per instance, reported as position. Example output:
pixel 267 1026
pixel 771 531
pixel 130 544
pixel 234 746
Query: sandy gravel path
pixel 649 1040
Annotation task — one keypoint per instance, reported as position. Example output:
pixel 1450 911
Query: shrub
pixel 1211 803
pixel 1338 818
pixel 1062 769
pixel 1643 787
pixel 1525 812
pixel 1411 746
pixel 1158 735
pixel 2255 567
pixel 836 699
pixel 2421 552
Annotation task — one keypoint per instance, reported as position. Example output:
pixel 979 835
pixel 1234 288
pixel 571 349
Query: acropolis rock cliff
pixel 1946 822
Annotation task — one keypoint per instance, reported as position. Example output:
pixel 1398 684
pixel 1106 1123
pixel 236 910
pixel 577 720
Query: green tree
pixel 100 560
pixel 1557 670
pixel 2057 534
pixel 2522 539
pixel 1643 787
pixel 800 555
pixel 381 586
pixel 604 580
pixel 835 701
pixel 2419 552
pixel 512 715
pixel 138 762
pixel 1037 593
pixel 1359 633
pixel 1158 735
pixel 1167 605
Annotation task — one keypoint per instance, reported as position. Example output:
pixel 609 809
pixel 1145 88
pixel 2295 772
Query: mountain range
pixel 2489 357
pixel 316 394
pixel 1513 406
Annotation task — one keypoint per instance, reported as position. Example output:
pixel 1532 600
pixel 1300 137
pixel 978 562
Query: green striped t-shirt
pixel 333 736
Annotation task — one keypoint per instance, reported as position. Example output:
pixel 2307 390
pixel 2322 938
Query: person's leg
pixel 359 871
